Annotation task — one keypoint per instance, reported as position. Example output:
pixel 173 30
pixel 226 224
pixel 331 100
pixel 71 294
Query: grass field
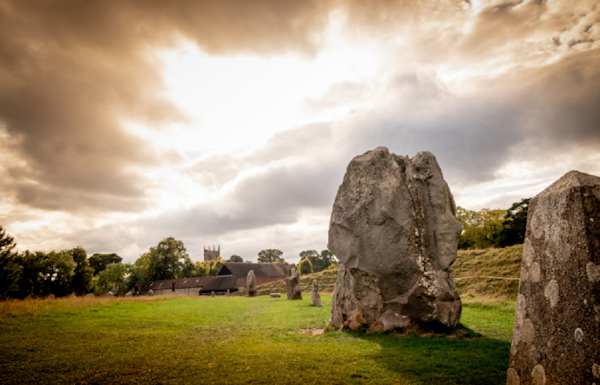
pixel 234 340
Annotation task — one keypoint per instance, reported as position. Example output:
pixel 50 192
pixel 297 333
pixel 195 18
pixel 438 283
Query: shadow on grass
pixel 442 360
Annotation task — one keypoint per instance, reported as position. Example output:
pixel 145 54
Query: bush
pixel 305 266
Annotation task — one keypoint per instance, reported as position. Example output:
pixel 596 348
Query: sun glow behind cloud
pixel 238 102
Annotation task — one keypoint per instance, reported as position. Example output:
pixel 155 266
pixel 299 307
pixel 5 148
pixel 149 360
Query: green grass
pixel 234 340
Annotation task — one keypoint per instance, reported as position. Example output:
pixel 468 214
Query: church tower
pixel 211 255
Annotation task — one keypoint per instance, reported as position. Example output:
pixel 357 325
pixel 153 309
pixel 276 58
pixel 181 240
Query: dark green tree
pixel 82 277
pixel 98 262
pixel 515 224
pixel 10 266
pixel 270 256
pixel 235 258
pixel 58 270
pixel 36 271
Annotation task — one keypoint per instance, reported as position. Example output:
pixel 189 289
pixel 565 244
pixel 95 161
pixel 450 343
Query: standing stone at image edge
pixel 251 284
pixel 556 337
pixel 395 232
pixel 315 299
pixel 293 284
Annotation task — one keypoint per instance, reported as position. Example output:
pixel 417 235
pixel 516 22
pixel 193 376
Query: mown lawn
pixel 234 340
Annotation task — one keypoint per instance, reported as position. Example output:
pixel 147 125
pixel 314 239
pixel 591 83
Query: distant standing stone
pixel 315 299
pixel 90 295
pixel 275 295
pixel 228 293
pixel 212 294
pixel 251 284
pixel 288 286
pixel 556 337
pixel 150 292
pixel 295 290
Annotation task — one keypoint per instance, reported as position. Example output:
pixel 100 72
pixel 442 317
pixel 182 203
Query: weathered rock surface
pixel 150 292
pixel 315 299
pixel 275 295
pixel 228 293
pixel 556 338
pixel 251 284
pixel 293 284
pixel 395 232
pixel 212 294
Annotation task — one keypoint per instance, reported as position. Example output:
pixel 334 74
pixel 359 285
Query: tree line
pixel 40 274
pixel 493 228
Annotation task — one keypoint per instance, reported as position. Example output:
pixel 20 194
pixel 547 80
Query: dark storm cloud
pixel 70 70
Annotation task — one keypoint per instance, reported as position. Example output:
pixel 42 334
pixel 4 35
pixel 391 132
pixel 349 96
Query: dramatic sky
pixel 232 122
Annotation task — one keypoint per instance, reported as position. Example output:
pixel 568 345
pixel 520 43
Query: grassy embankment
pixel 468 266
pixel 244 340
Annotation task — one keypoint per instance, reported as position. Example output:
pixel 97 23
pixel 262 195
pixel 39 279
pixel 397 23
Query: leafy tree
pixel 10 266
pixel 481 229
pixel 58 270
pixel 515 224
pixel 36 270
pixel 135 276
pixel 305 266
pixel 82 277
pixel 98 262
pixel 320 261
pixel 112 276
pixel 236 258
pixel 167 260
pixel 270 256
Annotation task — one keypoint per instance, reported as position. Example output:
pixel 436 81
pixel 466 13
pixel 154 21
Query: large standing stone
pixel 251 284
pixel 556 338
pixel 293 284
pixel 395 232
pixel 315 299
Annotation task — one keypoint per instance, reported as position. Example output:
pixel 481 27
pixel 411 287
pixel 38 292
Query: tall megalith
pixel 294 290
pixel 315 298
pixel 395 232
pixel 556 337
pixel 251 284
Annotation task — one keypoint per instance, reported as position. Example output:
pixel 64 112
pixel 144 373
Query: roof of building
pixel 240 269
pixel 221 283
pixel 181 283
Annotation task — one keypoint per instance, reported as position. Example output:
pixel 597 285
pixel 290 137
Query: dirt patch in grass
pixel 313 331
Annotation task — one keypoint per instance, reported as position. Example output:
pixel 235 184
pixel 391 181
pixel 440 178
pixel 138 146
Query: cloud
pixel 481 86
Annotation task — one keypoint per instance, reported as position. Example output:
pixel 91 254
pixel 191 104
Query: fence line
pixel 488 277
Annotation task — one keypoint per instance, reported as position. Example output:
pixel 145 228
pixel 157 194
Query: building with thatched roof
pixel 232 276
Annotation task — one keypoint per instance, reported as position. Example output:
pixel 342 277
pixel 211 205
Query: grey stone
pixel 556 336
pixel 150 292
pixel 293 284
pixel 52 296
pixel 288 286
pixel 315 299
pixel 251 284
pixel 394 229
pixel 275 295
pixel 90 295
pixel 228 293
pixel 212 294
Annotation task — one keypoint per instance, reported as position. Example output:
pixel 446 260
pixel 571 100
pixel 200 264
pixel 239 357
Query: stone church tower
pixel 211 255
